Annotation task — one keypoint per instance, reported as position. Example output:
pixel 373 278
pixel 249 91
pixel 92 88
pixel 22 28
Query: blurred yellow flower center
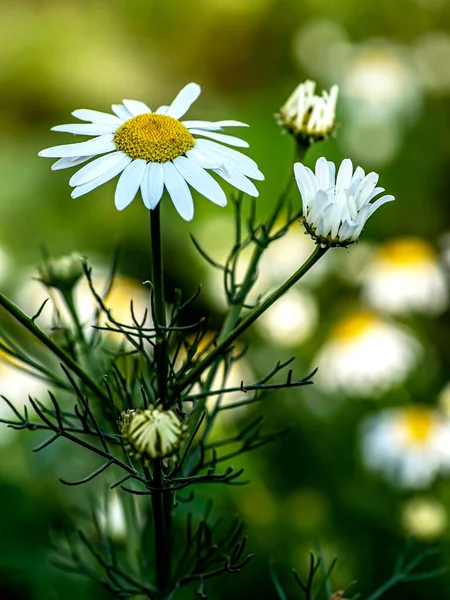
pixel 354 326
pixel 154 138
pixel 418 423
pixel 406 252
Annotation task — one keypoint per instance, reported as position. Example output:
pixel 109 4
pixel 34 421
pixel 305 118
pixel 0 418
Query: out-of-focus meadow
pixel 353 474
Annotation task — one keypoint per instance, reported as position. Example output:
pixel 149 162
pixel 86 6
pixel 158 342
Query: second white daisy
pixel 153 152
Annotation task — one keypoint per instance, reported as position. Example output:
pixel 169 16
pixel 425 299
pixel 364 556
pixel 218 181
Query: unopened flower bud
pixel 308 117
pixel 153 432
pixel 61 273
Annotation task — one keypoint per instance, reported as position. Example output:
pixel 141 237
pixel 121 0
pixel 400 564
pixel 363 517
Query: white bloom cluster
pixel 336 207
pixel 307 115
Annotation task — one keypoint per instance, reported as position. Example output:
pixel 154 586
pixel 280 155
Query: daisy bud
pixel 61 273
pixel 336 208
pixel 153 432
pixel 308 117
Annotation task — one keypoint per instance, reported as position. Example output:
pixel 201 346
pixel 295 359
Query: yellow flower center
pixel 154 138
pixel 406 252
pixel 419 422
pixel 354 326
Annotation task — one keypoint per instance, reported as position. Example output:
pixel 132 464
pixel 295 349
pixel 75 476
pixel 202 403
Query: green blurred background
pixel 392 63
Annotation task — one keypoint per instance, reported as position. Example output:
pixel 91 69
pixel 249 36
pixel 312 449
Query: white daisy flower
pixel 16 386
pixel 424 517
pixel 336 208
pixel 308 116
pixel 405 276
pixel 366 355
pixel 153 151
pixel 409 445
pixel 291 320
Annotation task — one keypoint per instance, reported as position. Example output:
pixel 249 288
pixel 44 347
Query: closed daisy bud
pixel 308 117
pixel 61 273
pixel 153 432
pixel 336 207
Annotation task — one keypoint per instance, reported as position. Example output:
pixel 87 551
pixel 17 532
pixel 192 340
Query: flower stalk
pixel 161 500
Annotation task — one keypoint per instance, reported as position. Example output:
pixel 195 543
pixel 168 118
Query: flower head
pixel 366 355
pixel 405 276
pixel 61 273
pixel 307 116
pixel 409 445
pixel 153 432
pixel 336 208
pixel 153 151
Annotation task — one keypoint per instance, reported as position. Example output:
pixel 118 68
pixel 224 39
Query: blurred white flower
pixel 365 356
pixel 410 446
pixel 432 55
pixel 16 385
pixel 286 254
pixel 306 115
pixel 111 516
pixel 152 151
pixel 32 293
pixel 336 207
pixel 291 320
pixel 424 517
pixel 405 276
pixel 380 83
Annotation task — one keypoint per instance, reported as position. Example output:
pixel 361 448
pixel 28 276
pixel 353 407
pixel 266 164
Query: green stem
pixel 70 303
pixel 251 317
pixel 161 530
pixel 31 326
pixel 159 315
pixel 161 500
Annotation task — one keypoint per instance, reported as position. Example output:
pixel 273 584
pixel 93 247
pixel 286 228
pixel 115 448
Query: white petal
pixel 163 110
pixel 85 129
pixel 95 116
pixel 152 185
pixel 136 108
pixel 239 181
pixel 318 205
pixel 67 163
pixel 358 176
pixel 365 189
pixel 347 230
pixel 213 125
pixel 200 180
pixel 376 205
pixel 344 176
pixel 122 112
pixel 307 184
pixel 129 183
pixel 220 137
pixel 187 96
pixel 240 160
pixel 323 174
pixel 95 183
pixel 98 145
pixel 96 168
pixel 179 191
